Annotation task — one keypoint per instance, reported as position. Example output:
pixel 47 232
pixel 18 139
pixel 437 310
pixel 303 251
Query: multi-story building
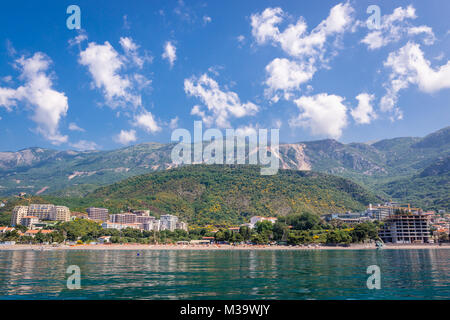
pixel 152 225
pixel 406 228
pixel 168 222
pixel 349 217
pixel 29 221
pixel 41 211
pixel 142 213
pixel 145 219
pixel 381 212
pixel 60 213
pixel 123 218
pixel 97 213
pixel 182 226
pixel 120 226
pixel 17 214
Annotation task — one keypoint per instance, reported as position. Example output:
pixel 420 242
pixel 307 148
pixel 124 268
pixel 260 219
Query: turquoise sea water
pixel 314 274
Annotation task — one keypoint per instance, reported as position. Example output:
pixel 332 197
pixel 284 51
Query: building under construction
pixel 406 226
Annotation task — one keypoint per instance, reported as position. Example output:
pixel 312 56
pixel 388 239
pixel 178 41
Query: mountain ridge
pixel 78 172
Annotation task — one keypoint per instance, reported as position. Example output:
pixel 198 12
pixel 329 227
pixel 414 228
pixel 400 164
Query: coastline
pixel 158 247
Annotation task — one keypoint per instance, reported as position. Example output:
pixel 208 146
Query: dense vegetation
pixel 227 195
pixel 295 229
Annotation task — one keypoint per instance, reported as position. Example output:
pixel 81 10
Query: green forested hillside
pixel 216 194
pixel 219 194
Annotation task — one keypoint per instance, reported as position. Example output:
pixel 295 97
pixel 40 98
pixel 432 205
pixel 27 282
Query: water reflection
pixel 246 274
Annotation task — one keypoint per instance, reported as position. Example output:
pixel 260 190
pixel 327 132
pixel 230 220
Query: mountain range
pixel 407 169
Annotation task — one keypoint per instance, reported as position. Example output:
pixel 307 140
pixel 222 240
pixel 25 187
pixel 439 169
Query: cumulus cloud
pixel 220 105
pixel 322 114
pixel 286 75
pixel 126 137
pixel 295 40
pixel 74 127
pixel 147 121
pixel 364 113
pixel 170 53
pixel 395 26
pixel 104 64
pixel 409 66
pixel 308 50
pixel 49 105
pixel 84 145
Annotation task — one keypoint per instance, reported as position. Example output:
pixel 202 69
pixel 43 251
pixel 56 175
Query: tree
pixel 305 221
pixel 245 232
pixel 279 230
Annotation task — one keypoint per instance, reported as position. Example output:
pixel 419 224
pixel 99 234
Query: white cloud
pixel 49 105
pixel 206 20
pixel 131 51
pixel 295 40
pixel 146 121
pixel 173 123
pixel 323 114
pixel 264 24
pixel 240 39
pixel 170 53
pixel 74 127
pixel 364 113
pixel 104 64
pixel 308 50
pixel 126 137
pixel 221 105
pixel 84 145
pixel 409 66
pixel 82 36
pixel 286 75
pixel 246 131
pixel 395 26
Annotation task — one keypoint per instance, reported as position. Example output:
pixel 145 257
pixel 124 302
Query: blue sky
pixel 138 69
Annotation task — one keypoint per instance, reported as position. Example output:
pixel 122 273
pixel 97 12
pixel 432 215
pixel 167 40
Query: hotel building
pixel 97 213
pixel 60 213
pixel 41 211
pixel 168 222
pixel 123 218
pixel 17 214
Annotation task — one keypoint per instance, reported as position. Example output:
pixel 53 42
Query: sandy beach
pixel 216 247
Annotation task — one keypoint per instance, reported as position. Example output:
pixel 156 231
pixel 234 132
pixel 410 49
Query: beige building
pixel 60 213
pixel 17 214
pixel 41 211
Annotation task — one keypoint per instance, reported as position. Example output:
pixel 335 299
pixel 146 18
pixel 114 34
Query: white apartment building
pixel 168 222
pixel 17 214
pixel 29 221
